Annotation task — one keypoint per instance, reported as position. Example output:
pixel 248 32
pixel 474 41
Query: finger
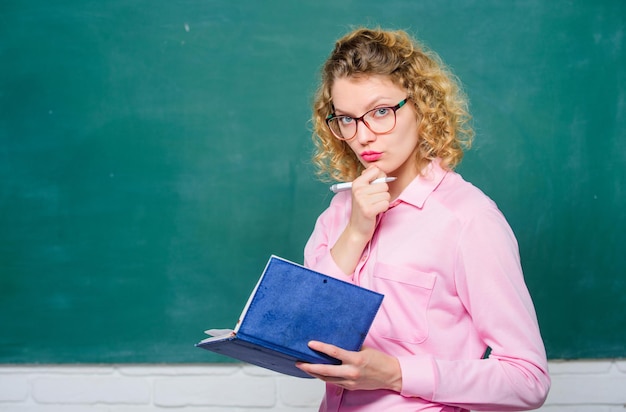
pixel 331 350
pixel 306 368
pixel 367 176
pixel 373 198
pixel 371 171
pixel 327 373
pixel 371 193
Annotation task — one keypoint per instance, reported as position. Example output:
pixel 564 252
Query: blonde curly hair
pixel 441 106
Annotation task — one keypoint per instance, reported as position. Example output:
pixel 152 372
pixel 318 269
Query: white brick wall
pixel 584 386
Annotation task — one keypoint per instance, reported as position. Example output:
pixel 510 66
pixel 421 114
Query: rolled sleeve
pixel 329 225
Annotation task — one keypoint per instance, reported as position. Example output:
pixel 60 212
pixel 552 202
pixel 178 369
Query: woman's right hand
pixel 368 201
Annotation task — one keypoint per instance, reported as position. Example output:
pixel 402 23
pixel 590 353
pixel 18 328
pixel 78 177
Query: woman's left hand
pixel 368 369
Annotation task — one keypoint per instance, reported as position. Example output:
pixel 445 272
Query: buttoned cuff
pixel 419 376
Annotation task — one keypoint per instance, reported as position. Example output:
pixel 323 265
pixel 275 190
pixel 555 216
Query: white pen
pixel 340 187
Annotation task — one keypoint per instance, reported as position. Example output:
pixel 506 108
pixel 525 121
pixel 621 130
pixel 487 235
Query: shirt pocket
pixel 403 315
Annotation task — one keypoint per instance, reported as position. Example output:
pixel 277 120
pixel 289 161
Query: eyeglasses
pixel 380 120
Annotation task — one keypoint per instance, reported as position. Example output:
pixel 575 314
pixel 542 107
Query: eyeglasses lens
pixel 380 120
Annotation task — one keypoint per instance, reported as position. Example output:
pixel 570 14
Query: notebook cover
pixel 293 305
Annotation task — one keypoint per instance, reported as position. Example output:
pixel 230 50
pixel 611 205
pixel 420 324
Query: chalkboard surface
pixel 153 154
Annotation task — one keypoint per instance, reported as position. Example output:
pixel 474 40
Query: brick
pixel 13 388
pixel 579 367
pixel 135 408
pixel 151 408
pixel 603 389
pixel 54 408
pixel 258 371
pixel 300 392
pixel 91 390
pixel 578 386
pixel 178 370
pixel 57 369
pixel 237 390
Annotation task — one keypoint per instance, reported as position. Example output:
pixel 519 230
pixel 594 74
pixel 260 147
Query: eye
pixel 381 111
pixel 345 120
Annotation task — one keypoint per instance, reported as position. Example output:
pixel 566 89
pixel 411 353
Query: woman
pixel 437 247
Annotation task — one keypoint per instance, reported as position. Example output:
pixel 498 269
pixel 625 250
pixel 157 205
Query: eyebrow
pixel 372 105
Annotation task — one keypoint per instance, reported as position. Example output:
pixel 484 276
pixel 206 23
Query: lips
pixel 371 156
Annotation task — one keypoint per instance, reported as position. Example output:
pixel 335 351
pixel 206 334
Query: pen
pixel 340 187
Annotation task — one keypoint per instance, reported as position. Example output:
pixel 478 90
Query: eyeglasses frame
pixel 362 119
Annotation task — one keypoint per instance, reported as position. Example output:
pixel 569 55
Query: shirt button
pixel 338 391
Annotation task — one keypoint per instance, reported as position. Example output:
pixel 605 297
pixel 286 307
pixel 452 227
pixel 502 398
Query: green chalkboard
pixel 153 154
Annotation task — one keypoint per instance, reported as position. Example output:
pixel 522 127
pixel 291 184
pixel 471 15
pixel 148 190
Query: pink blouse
pixel 448 264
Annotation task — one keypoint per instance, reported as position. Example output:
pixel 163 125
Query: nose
pixel 363 133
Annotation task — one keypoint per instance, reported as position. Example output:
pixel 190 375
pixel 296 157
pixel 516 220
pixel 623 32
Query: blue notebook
pixel 290 306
